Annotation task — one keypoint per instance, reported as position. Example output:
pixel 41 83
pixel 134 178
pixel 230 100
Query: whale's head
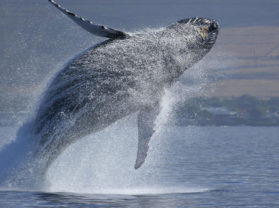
pixel 189 40
pixel 199 32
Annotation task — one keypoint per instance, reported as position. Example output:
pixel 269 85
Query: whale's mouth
pixel 213 31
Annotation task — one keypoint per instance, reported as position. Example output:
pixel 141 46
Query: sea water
pixel 186 167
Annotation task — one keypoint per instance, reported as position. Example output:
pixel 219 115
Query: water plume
pixel 96 97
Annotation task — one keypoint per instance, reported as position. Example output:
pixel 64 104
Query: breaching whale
pixel 125 74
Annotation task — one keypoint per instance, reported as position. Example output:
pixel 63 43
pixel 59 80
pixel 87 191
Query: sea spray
pixel 102 163
pixel 106 84
pixel 15 156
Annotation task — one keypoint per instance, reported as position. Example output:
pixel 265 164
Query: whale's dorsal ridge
pixel 89 26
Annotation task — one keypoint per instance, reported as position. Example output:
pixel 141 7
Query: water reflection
pixel 74 200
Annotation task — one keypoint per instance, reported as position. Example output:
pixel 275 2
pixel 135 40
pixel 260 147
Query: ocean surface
pixel 186 167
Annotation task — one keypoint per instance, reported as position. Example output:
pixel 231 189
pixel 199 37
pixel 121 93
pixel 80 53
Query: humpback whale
pixel 127 73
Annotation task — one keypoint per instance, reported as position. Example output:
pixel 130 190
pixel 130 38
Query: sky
pixel 37 40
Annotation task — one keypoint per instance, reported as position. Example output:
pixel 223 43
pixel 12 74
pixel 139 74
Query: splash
pixel 103 164
pixel 103 161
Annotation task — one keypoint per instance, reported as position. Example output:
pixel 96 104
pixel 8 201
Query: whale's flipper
pixel 146 124
pixel 89 26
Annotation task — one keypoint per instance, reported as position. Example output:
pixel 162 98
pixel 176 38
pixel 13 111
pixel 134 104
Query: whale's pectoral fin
pixel 146 124
pixel 89 26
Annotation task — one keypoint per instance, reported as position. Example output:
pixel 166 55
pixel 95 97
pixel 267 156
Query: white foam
pixel 145 191
pixel 102 163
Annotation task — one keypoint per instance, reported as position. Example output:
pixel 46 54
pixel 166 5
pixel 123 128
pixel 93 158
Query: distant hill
pixel 248 59
pixel 243 110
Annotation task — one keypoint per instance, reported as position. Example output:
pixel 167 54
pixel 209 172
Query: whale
pixel 126 73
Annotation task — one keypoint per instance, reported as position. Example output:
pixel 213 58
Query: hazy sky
pixel 36 40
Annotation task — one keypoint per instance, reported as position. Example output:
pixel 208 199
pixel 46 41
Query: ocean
pixel 186 167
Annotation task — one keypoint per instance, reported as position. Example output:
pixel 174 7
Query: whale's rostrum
pixel 125 74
